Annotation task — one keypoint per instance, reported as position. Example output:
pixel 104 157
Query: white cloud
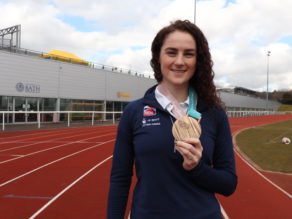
pixel 122 31
pixel 240 36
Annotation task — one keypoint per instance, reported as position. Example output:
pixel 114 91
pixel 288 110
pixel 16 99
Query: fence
pixel 255 113
pixel 89 117
pixel 68 117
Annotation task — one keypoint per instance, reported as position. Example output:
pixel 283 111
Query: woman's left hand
pixel 191 150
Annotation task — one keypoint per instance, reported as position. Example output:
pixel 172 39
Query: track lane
pixel 18 139
pixel 81 202
pixel 77 201
pixel 13 150
pixel 25 148
pixel 31 134
pixel 11 170
pixel 255 197
pixel 41 186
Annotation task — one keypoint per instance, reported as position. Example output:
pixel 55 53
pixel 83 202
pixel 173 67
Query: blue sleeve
pixel 122 168
pixel 221 176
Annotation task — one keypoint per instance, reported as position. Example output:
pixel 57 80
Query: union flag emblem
pixel 149 111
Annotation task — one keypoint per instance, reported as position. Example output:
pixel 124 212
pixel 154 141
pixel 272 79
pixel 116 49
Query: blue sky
pixel 80 24
pixel 227 2
pixel 286 40
pixel 119 33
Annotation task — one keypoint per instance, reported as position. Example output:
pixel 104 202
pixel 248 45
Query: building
pixel 239 99
pixel 32 81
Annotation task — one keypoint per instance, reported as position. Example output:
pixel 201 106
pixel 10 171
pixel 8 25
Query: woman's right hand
pixel 191 150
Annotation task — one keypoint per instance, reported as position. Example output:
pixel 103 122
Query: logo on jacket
pixel 149 111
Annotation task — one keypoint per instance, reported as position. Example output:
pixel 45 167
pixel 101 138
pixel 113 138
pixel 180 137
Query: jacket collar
pixel 149 99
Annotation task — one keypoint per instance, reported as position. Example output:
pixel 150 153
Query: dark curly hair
pixel 202 80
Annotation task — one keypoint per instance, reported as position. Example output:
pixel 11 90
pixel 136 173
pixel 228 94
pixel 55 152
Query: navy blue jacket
pixel 164 190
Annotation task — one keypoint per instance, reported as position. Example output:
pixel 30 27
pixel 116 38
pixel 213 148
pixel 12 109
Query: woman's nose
pixel 179 60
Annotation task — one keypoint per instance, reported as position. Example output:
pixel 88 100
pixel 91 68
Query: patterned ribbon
pixel 177 109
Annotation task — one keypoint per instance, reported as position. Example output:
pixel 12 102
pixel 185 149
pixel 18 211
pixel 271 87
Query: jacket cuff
pixel 197 170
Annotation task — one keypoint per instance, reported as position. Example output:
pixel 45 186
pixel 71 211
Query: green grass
pixel 285 107
pixel 264 147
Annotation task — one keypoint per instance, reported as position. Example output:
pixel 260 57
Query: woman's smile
pixel 178 59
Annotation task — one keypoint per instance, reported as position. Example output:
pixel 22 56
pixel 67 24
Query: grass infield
pixel 285 107
pixel 264 147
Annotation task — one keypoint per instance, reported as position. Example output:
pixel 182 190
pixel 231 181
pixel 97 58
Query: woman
pixel 174 181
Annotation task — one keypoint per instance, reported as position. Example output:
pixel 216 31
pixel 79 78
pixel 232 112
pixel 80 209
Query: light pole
pixel 195 14
pixel 268 56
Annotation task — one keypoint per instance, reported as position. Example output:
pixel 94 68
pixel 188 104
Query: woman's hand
pixel 191 150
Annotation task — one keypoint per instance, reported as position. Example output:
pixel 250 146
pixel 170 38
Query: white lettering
pixel 32 88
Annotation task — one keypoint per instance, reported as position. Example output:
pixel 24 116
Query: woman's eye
pixel 170 53
pixel 189 54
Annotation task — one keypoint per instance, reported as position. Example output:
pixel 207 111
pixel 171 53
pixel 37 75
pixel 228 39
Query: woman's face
pixel 178 58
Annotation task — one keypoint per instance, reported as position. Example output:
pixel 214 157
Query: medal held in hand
pixel 187 124
pixel 186 127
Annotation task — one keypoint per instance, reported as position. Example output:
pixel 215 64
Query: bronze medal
pixel 186 127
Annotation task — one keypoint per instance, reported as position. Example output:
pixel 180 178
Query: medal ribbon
pixel 177 109
pixel 193 99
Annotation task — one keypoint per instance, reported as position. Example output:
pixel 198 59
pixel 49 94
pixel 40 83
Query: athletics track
pixel 64 173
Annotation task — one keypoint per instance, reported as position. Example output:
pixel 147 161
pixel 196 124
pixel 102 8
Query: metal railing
pixel 94 65
pixel 69 117
pixel 255 113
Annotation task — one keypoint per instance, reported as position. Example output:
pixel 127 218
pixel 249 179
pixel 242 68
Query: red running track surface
pixel 255 197
pixel 64 173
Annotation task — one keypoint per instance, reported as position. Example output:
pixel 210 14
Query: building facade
pixel 29 83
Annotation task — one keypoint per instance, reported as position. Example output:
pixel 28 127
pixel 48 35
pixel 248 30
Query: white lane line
pixel 223 212
pixel 60 138
pixel 52 133
pixel 40 142
pixel 16 155
pixel 25 135
pixel 275 185
pixel 47 149
pixel 57 130
pixel 236 148
pixel 55 161
pixel 40 136
pixel 67 188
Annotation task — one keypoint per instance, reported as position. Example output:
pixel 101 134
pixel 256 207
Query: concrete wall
pixel 240 101
pixel 49 78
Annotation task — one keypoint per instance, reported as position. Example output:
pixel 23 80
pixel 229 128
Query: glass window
pixel 20 105
pixel 88 105
pixel 31 104
pixel 48 104
pixel 99 105
pixel 117 106
pixel 109 106
pixel 65 105
pixel 83 105
pixel 3 103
